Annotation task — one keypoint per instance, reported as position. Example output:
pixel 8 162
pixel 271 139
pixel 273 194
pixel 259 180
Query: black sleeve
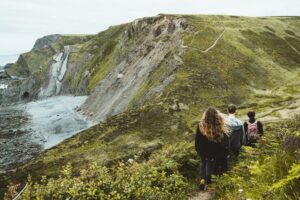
pixel 260 128
pixel 245 126
pixel 197 141
pixel 246 129
pixel 226 140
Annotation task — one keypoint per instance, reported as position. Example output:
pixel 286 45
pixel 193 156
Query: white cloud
pixel 22 21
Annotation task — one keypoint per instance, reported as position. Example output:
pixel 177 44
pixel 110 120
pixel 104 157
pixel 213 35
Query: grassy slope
pixel 102 48
pixel 253 53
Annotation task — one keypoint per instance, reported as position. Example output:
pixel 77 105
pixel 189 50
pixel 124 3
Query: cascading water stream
pixel 58 70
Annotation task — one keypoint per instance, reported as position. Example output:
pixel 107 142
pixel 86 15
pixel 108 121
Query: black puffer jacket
pixel 209 149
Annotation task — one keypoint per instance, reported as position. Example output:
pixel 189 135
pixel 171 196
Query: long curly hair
pixel 212 125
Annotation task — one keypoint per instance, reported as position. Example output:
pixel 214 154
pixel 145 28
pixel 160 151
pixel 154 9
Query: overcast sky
pixel 23 21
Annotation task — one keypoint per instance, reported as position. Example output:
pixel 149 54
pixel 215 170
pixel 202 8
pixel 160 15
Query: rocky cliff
pixel 157 40
pixel 46 41
pixel 127 65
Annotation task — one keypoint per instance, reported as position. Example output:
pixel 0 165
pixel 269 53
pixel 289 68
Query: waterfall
pixel 58 69
pixel 3 86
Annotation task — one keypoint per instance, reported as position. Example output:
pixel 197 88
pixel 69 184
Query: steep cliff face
pixel 117 89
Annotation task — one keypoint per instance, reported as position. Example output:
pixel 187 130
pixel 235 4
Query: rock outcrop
pixel 46 41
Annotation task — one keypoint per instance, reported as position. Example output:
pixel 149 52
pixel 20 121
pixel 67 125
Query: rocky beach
pixel 27 129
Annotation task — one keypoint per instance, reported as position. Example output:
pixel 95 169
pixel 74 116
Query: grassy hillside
pixel 270 171
pixel 254 64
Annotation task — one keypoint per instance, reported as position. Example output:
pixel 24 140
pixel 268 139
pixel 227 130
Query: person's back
pixel 210 149
pixel 253 128
pixel 211 143
pixel 236 130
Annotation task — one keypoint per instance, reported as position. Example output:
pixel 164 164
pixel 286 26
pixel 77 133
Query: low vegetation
pixel 270 171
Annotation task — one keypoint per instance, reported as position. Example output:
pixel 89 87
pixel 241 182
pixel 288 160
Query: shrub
pixel 136 181
pixel 271 171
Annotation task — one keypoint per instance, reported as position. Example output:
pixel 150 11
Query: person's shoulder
pixel 239 121
pixel 258 122
pixel 226 136
pixel 198 130
pixel 233 122
pixel 223 115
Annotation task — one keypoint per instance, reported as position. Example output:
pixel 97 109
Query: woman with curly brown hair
pixel 211 144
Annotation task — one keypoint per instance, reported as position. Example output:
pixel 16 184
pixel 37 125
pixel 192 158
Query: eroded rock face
pixel 118 88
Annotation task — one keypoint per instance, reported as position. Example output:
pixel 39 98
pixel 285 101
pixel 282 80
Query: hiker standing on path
pixel 211 143
pixel 253 128
pixel 237 136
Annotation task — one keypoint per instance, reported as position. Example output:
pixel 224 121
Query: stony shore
pixel 16 145
pixel 27 129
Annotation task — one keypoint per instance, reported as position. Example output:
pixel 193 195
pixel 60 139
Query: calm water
pixel 54 119
pixel 28 129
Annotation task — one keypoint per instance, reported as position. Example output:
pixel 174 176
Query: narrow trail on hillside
pixel 215 42
pixel 19 194
pixel 210 47
pixel 283 112
pixel 293 47
pixel 203 196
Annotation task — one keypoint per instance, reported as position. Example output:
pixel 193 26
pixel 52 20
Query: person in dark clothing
pixel 237 136
pixel 211 143
pixel 253 128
